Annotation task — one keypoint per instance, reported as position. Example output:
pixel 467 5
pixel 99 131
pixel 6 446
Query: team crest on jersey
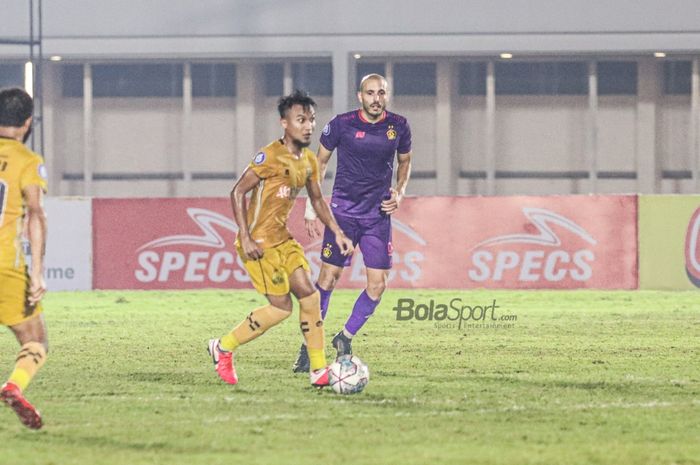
pixel 328 250
pixel 42 171
pixel 259 158
pixel 327 129
pixel 391 133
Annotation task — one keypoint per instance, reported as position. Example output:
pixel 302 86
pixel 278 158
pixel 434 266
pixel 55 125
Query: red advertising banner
pixel 553 242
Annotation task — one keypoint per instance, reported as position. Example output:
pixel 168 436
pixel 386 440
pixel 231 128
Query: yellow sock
pixel 317 358
pixel 229 342
pixel 260 320
pixel 312 328
pixel 31 357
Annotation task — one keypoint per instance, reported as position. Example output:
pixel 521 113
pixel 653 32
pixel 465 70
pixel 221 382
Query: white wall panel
pixel 214 133
pixel 137 135
pixel 540 133
pixel 469 132
pixel 674 149
pixel 616 134
pixel 420 112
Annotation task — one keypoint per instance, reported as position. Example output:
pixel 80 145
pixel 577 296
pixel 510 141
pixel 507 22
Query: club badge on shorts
pixel 328 250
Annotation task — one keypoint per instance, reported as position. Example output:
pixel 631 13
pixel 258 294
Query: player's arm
pixel 322 157
pixel 36 231
pixel 403 174
pixel 245 184
pixel 326 216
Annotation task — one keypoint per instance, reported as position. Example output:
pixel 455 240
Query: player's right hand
pixel 346 246
pixel 37 289
pixel 312 228
pixel 251 249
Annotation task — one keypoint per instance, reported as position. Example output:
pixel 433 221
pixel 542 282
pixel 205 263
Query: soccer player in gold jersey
pixel 22 186
pixel 274 260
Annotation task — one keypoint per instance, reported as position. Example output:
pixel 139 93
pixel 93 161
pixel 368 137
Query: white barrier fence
pixel 69 244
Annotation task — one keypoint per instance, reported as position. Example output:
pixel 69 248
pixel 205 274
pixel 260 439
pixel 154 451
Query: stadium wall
pixel 633 128
pixel 517 242
pixel 157 27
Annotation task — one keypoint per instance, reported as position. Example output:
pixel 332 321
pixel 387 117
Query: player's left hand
pixel 344 244
pixel 37 289
pixel 391 205
pixel 312 228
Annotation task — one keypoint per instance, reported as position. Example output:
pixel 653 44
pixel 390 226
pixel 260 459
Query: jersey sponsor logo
pixel 42 172
pixel 284 192
pixel 360 135
pixel 259 158
pixel 326 129
pixel 534 256
pixel 391 133
pixel 692 249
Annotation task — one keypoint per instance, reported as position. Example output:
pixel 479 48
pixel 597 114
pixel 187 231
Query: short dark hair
pixel 16 106
pixel 298 97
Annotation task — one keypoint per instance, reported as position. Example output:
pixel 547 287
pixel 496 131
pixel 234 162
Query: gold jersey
pixel 282 175
pixel 19 168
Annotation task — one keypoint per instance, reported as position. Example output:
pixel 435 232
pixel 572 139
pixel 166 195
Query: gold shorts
pixel 14 290
pixel 270 274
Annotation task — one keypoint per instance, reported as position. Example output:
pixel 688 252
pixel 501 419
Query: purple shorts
pixel 373 235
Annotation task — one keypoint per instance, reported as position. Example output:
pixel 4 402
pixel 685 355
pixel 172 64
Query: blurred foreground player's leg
pixel 22 187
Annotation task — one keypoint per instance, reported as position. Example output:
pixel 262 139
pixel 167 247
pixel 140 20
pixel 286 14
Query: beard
pixel 301 144
pixel 374 110
pixel 26 136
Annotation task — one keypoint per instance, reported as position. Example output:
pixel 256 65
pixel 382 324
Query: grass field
pixel 579 378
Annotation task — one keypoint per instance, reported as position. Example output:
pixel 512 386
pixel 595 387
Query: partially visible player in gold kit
pixel 22 186
pixel 274 260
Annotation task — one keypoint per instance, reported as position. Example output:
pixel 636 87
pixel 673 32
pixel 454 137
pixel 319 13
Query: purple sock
pixel 325 298
pixel 363 309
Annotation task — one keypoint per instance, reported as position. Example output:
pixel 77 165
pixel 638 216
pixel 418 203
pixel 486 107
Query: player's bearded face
pixel 374 97
pixel 299 125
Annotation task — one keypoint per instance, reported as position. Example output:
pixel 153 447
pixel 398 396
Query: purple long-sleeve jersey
pixel 366 154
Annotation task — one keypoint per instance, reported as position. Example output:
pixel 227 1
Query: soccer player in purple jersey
pixel 367 141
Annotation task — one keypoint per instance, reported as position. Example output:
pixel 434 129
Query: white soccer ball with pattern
pixel 348 375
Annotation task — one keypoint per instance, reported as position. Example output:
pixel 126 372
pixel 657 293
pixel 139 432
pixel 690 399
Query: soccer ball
pixel 348 375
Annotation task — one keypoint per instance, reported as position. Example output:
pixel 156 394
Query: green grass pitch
pixel 580 377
